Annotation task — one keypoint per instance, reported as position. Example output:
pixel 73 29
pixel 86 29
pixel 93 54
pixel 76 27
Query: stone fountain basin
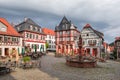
pixel 81 64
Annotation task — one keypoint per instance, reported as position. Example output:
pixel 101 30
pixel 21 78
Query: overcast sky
pixel 103 15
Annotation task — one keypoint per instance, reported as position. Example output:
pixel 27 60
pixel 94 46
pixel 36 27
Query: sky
pixel 102 15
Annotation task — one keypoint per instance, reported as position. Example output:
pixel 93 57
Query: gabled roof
pixel 10 29
pixel 64 25
pixel 87 26
pixel 64 20
pixel 48 31
pixel 25 25
pixel 97 32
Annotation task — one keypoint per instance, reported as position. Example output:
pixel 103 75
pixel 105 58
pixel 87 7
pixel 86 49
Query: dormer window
pixel 63 26
pixel 3 27
pixel 18 28
pixel 31 27
pixel 35 28
pixel 40 30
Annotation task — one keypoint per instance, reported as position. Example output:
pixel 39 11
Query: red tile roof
pixel 10 29
pixel 117 38
pixel 48 31
pixel 97 32
pixel 87 26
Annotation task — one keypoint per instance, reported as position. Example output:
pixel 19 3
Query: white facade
pixel 7 48
pixel 50 39
pixel 92 42
pixel 38 48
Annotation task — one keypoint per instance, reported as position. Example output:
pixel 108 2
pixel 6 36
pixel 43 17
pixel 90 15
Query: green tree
pixel 115 53
pixel 46 45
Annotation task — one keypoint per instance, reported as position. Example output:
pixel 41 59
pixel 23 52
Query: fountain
pixel 81 60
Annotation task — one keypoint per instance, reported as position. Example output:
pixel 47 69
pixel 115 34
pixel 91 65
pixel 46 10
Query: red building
pixel 92 41
pixel 66 36
pixel 117 46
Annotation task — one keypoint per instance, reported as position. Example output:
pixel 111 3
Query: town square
pixel 37 44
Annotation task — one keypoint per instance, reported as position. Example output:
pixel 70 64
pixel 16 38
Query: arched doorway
pixel 94 52
pixel 88 51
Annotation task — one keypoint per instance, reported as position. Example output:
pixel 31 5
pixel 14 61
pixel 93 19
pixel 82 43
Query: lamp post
pixel 80 47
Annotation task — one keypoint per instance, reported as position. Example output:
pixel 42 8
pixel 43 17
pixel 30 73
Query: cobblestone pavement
pixel 56 69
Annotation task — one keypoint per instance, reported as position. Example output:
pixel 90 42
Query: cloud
pixel 100 14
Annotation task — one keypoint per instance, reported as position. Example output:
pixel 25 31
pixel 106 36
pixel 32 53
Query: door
pixel 94 52
pixel 6 51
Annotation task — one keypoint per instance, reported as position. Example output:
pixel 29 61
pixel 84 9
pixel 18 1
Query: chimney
pixel 25 19
pixel 12 24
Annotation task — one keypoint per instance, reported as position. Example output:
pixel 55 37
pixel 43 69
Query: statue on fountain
pixel 81 61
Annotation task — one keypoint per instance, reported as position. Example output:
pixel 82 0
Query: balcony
pixel 70 42
pixel 62 42
pixel 92 44
pixel 8 43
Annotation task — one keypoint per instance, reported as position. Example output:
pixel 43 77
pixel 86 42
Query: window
pixel 33 36
pixel 87 35
pixel 118 43
pixel 68 32
pixel 9 39
pixel 63 26
pixel 5 38
pixel 27 35
pixel 40 30
pixel 17 39
pixel 36 36
pixel 60 33
pixel 92 42
pixel 31 27
pixel 36 28
pixel 14 39
pixel 67 39
pixel 49 41
pixel 1 38
pixel 3 27
pixel 18 28
pixel 30 36
pixel 49 36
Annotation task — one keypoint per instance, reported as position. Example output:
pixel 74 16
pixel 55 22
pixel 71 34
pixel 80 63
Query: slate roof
pixel 10 29
pixel 64 25
pixel 97 32
pixel 25 25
